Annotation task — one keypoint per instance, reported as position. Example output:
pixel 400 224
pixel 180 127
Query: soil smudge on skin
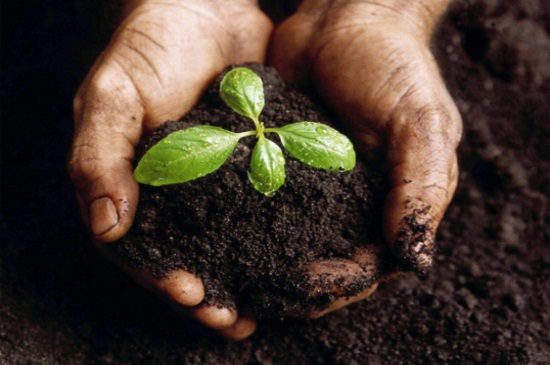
pixel 415 244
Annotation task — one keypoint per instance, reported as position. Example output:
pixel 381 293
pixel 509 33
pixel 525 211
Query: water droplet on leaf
pixel 322 130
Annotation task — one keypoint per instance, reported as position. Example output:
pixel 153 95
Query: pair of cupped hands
pixel 369 61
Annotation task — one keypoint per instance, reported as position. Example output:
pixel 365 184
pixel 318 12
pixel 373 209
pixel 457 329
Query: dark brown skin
pixel 369 60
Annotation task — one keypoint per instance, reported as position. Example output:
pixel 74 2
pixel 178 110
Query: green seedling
pixel 195 152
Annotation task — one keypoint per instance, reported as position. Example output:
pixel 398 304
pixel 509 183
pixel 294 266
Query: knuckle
pixel 431 118
pixel 433 124
pixel 108 96
pixel 82 164
pixel 106 83
pixel 108 86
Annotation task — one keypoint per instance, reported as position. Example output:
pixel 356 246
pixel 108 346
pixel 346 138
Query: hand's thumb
pixel 423 135
pixel 108 118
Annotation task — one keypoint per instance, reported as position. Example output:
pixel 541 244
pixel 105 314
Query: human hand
pixel 158 63
pixel 370 61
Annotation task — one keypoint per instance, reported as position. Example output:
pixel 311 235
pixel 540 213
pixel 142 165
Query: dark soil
pixel 249 248
pixel 486 301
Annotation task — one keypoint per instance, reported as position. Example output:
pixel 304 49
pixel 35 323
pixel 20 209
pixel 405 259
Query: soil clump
pixel 251 249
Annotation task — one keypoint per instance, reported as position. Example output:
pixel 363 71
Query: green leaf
pixel 318 145
pixel 243 91
pixel 186 155
pixel 267 168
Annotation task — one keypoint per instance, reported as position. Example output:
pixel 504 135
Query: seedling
pixel 195 152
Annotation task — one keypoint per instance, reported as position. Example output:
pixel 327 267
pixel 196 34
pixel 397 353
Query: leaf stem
pixel 247 134
pixel 271 130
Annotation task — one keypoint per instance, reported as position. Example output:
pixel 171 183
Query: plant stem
pixel 259 128
pixel 247 134
pixel 257 124
pixel 272 130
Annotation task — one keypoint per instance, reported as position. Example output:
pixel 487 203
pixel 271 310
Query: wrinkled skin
pixel 370 62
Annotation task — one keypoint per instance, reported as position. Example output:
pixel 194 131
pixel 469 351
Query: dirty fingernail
pixel 103 216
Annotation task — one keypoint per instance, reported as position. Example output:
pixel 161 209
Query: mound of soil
pixel 252 249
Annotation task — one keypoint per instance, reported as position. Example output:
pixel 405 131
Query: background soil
pixel 486 301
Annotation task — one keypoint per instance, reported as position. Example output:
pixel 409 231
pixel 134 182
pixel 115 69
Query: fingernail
pixel 103 216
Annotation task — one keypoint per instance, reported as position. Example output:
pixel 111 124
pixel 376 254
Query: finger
pixel 211 316
pixel 423 134
pixel 185 291
pixel 180 287
pixel 214 317
pixel 227 322
pixel 241 329
pixel 345 281
pixel 289 47
pixel 108 118
pixel 344 301
pixel 344 277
